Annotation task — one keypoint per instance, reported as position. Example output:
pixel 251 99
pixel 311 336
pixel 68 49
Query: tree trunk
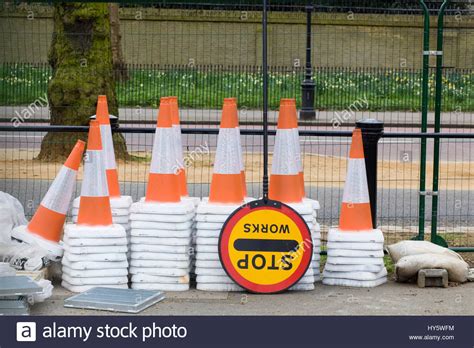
pixel 81 60
pixel 120 69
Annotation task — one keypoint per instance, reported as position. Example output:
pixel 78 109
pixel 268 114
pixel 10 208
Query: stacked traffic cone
pixel 226 194
pixel 355 249
pixel 162 221
pixel 46 226
pixel 287 183
pixel 119 204
pixel 95 249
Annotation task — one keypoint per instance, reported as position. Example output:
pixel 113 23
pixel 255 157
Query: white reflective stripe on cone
pixel 299 159
pixel 227 150
pixel 60 192
pixel 179 146
pixel 284 153
pixel 162 159
pixel 94 182
pixel 355 188
pixel 239 144
pixel 107 146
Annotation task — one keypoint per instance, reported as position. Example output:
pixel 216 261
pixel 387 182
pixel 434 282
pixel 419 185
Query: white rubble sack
pixel 417 247
pixel 11 216
pixel 408 266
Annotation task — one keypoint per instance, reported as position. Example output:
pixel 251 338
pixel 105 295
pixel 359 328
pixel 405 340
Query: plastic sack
pixel 408 266
pixel 42 296
pixel 417 247
pixel 22 256
pixel 11 216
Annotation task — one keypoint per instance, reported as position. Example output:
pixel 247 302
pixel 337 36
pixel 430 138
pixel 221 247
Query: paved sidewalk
pixel 389 299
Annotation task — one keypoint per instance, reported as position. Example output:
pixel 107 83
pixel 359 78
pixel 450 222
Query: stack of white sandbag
pixel 316 236
pixel 355 249
pixel 95 249
pixel 162 223
pixel 161 245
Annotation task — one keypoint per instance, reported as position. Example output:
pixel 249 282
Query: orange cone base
pixel 244 184
pixel 301 176
pixel 183 187
pixel 94 211
pixel 47 224
pixel 355 217
pixel 226 188
pixel 285 188
pixel 163 188
pixel 113 183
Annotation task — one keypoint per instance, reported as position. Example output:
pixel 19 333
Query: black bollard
pixel 372 131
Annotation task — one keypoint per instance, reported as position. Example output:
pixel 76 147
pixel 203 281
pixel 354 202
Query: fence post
pixel 307 111
pixel 372 131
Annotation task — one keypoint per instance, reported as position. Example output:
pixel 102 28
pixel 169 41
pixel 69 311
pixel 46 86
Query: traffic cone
pixel 230 106
pixel 46 225
pixel 226 185
pixel 103 117
pixel 291 105
pixel 183 187
pixel 94 206
pixel 355 210
pixel 285 180
pixel 163 183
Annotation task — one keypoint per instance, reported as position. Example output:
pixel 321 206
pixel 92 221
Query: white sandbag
pixel 82 288
pixel 95 249
pixel 115 212
pixel 219 209
pixel 214 279
pixel 95 280
pixel 355 275
pixel 375 235
pixel 355 246
pixel 115 202
pixel 162 271
pixel 307 279
pixel 315 235
pixel 302 287
pixel 95 241
pixel 207 256
pixel 417 247
pixel 316 257
pixel 167 226
pixel 111 272
pixel 303 208
pixel 202 248
pixel 207 241
pixel 87 265
pixel 354 283
pixel 148 208
pixel 314 204
pixel 194 200
pixel 160 287
pixel 337 260
pixel 208 264
pixel 159 241
pixel 148 278
pixel 353 268
pixel 95 257
pixel 408 266
pixel 161 217
pixel 210 271
pixel 218 287
pixel 211 218
pixel 84 231
pixel 355 253
pixel 159 263
pixel 140 255
pixel 156 248
pixel 161 233
pixel 117 220
pixel 209 226
pixel 208 233
pixel 316 243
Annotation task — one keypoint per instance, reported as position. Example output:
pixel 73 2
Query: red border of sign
pixel 251 286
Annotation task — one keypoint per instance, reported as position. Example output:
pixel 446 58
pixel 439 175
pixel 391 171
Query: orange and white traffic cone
pixel 47 224
pixel 103 117
pixel 183 187
pixel 163 183
pixel 355 210
pixel 355 249
pixel 94 206
pixel 226 185
pixel 285 179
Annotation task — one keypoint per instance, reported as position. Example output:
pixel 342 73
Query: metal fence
pixel 362 68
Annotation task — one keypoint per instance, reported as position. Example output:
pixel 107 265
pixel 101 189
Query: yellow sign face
pixel 265 249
